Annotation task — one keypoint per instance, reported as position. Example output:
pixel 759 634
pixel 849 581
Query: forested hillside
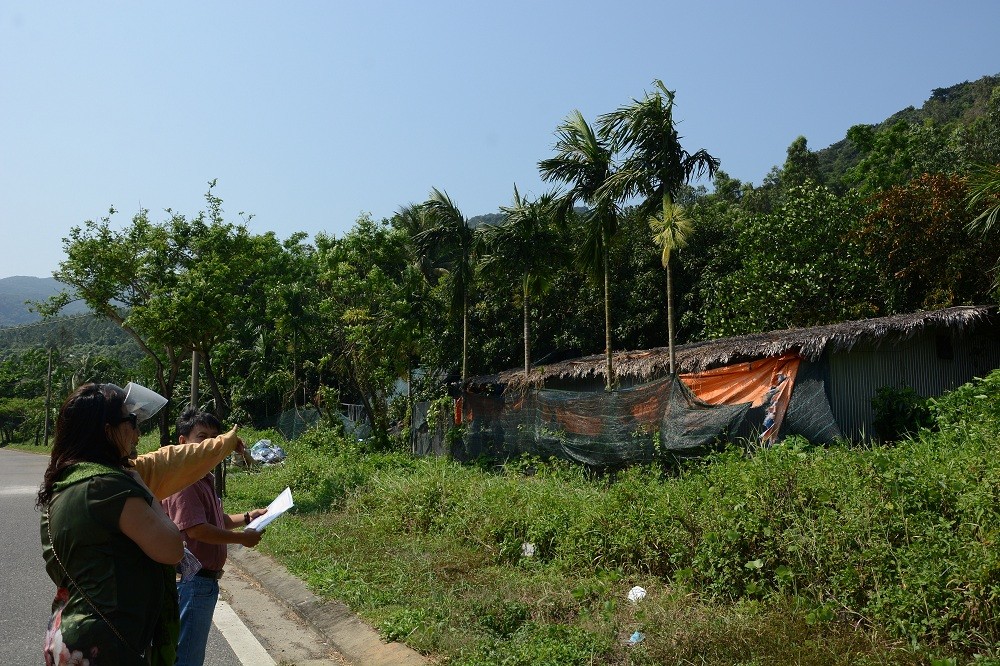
pixel 893 219
pixel 963 107
pixel 15 291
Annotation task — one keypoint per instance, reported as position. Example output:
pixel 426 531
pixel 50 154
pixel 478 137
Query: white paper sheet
pixel 281 504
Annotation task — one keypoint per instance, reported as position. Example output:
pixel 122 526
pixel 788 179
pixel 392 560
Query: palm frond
pixel 700 164
pixel 655 166
pixel 410 219
pixel 984 195
pixel 671 229
pixel 581 160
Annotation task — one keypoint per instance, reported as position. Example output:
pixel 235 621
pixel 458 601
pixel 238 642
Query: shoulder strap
pixel 55 553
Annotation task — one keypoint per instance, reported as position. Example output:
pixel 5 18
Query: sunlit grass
pixel 429 552
pixel 794 555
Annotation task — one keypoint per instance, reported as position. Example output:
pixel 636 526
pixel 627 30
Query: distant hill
pixel 14 291
pixel 488 218
pixel 959 104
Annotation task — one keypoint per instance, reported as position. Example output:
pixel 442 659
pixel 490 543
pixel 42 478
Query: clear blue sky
pixel 310 113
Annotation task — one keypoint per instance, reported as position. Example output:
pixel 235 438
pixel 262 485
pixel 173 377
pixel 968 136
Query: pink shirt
pixel 197 505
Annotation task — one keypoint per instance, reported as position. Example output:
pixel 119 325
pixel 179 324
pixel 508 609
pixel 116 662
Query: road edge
pixel 333 620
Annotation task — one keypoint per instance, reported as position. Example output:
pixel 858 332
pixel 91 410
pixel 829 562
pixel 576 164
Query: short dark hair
pixel 192 417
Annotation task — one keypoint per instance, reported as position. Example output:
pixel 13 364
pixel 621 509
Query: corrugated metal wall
pixel 920 363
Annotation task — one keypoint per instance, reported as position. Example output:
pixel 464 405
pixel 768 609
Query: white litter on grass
pixel 267 453
pixel 527 549
pixel 636 594
pixel 636 637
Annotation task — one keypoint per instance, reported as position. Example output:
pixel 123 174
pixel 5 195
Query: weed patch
pixel 795 554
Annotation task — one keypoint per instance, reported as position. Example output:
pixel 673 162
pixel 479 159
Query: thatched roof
pixel 810 343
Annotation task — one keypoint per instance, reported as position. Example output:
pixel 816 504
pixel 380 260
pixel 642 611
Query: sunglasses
pixel 131 418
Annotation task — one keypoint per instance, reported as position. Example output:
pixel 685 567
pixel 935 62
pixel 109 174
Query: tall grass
pixel 794 554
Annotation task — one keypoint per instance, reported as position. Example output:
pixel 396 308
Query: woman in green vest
pixel 105 541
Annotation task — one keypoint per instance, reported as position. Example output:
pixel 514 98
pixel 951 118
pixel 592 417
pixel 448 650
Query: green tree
pixel 525 249
pixel 429 302
pixel 801 165
pixel 21 419
pixel 656 166
pixel 800 265
pixel 896 154
pixel 219 282
pixel 921 250
pixel 176 287
pixel 979 141
pixel 269 359
pixel 671 228
pixel 115 273
pixel 365 283
pixel 655 169
pixel 448 238
pixel 712 253
pixel 584 162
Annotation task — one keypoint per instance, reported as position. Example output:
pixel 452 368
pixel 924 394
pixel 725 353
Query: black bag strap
pixel 114 629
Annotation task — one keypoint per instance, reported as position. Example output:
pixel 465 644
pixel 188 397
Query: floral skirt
pixel 57 653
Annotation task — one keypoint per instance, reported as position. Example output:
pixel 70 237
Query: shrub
pixel 897 542
pixel 899 413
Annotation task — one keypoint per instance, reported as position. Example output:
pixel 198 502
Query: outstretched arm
pixel 170 469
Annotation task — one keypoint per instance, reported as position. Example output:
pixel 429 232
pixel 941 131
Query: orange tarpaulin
pixel 764 383
pixel 767 382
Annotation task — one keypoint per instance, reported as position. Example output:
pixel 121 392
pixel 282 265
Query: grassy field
pixel 789 555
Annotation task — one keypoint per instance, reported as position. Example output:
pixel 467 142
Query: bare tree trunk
pixel 670 318
pixel 221 406
pixel 295 368
pixel 465 331
pixel 222 411
pixel 609 371
pixel 409 404
pixel 527 342
pixel 376 415
pixel 167 384
pixel 194 379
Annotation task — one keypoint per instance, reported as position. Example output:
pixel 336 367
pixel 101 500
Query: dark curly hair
pixel 80 434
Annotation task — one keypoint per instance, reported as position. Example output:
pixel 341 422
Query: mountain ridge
pixel 17 289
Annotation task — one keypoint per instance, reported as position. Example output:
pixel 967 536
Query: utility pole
pixel 220 469
pixel 194 379
pixel 48 398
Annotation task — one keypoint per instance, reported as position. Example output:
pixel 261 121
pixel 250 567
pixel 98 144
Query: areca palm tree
pixel 584 162
pixel 448 239
pixel 984 195
pixel 656 166
pixel 523 247
pixel 671 228
pixel 412 220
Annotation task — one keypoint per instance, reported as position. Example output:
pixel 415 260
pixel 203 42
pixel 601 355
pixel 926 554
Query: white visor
pixel 142 401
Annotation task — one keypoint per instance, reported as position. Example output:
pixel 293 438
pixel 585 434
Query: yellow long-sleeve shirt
pixel 170 469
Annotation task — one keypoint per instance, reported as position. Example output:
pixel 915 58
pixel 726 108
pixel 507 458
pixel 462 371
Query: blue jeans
pixel 197 599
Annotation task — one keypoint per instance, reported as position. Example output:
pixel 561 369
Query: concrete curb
pixel 345 632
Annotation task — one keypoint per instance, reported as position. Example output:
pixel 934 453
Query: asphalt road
pixel 25 589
